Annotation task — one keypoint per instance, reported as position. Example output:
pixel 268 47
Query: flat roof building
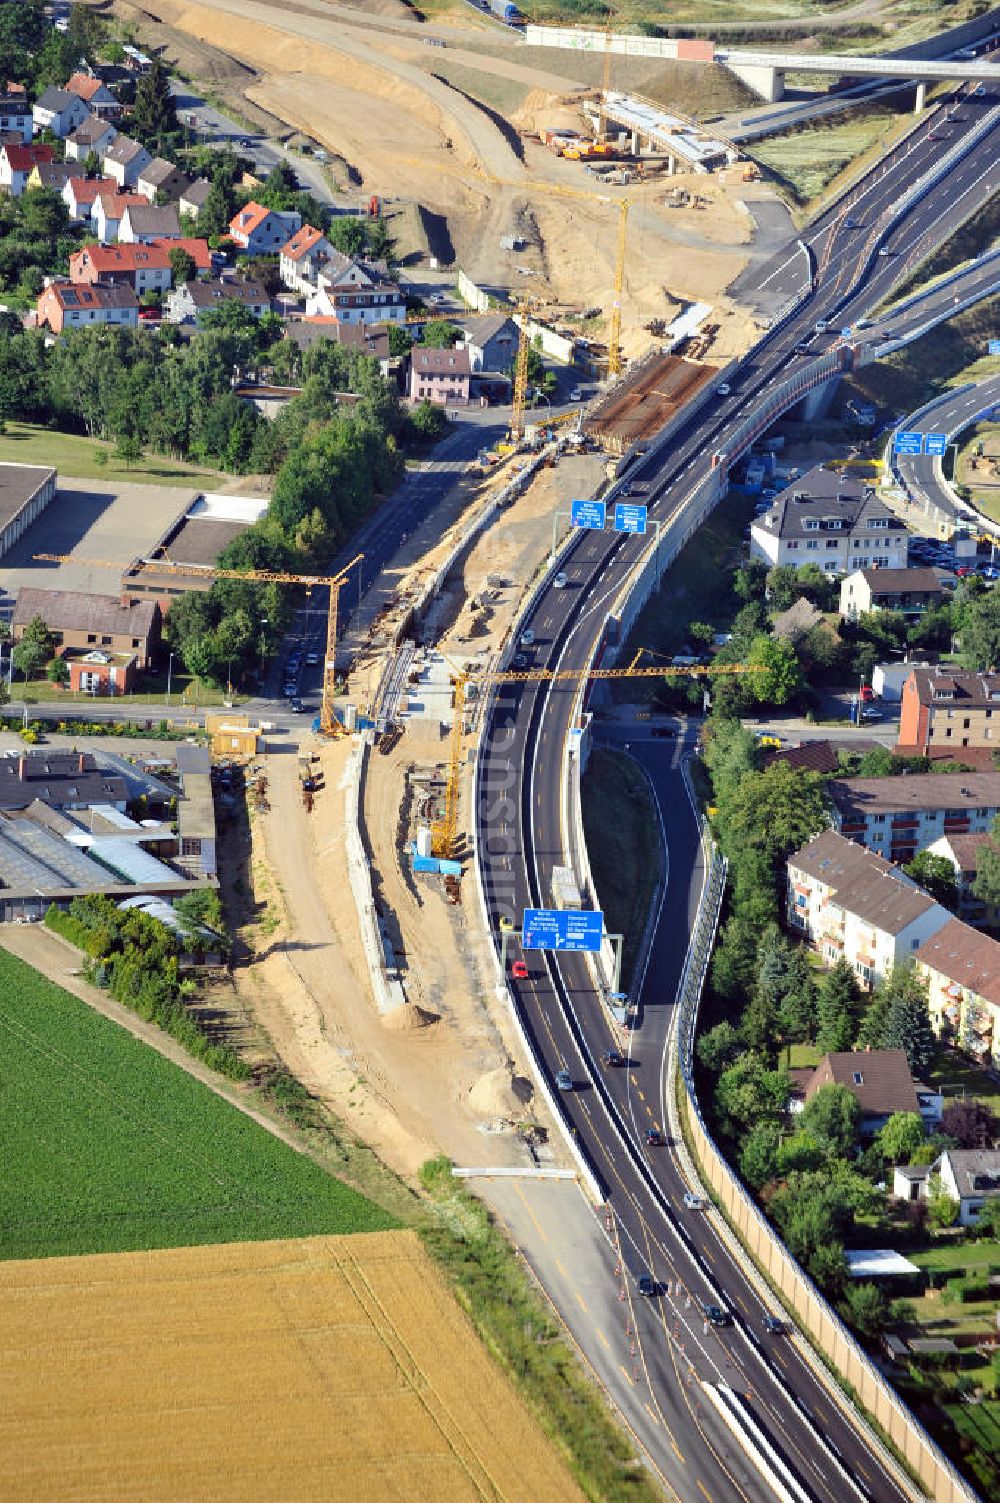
pixel 25 492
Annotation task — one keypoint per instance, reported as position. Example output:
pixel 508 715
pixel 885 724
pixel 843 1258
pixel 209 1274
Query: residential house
pixel 340 271
pixel 143 222
pixel 798 621
pixel 164 178
pixel 880 1081
pixel 491 341
pixel 383 303
pixel 262 231
pixel 144 268
pixel 96 96
pixel 59 111
pixel 78 619
pixel 367 339
pixel 192 199
pixel 52 176
pixel 853 905
pixel 969 1175
pixel 909 591
pixel 888 679
pixel 136 61
pixel 98 670
pixel 189 302
pixel 962 852
pixel 109 210
pixel 124 160
pixel 80 194
pixel 15 114
pixel 17 164
pixel 70 305
pixel 898 816
pixel 946 708
pixel 810 756
pixel 830 519
pixel 93 135
pixel 440 376
pixel 302 256
pixel 961 966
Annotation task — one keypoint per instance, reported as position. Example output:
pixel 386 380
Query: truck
pixel 565 892
pixel 506 11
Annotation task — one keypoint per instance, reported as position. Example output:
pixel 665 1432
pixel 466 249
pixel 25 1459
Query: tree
pixel 986 885
pixel 128 450
pixel 182 265
pixel 833 1117
pixel 797 1010
pixel 58 671
pixel 837 1007
pixel 970 1123
pixel 774 678
pixel 154 115
pixel 801 1152
pixel 748 1093
pixel 901 1137
pixel 936 875
pixel 440 334
pixel 427 421
pixel 908 1023
pixel 980 631
pixel 34 649
pixel 865 1308
pixel 774 812
pixel 347 234
pixel 757 1156
pixel 400 340
pixel 871 1030
pixel 730 753
pixel 942 1209
pixel 719 1047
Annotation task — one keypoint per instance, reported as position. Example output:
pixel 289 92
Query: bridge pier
pixel 921 98
pixel 768 82
pixel 816 403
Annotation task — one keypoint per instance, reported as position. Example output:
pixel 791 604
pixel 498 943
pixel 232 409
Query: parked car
pixel 564 1080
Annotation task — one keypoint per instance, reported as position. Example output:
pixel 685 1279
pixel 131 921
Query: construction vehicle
pixel 374 207
pixel 751 172
pixel 444 831
pixel 328 723
pixel 582 149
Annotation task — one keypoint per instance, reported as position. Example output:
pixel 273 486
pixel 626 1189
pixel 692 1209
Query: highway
pixel 520 838
pixel 921 473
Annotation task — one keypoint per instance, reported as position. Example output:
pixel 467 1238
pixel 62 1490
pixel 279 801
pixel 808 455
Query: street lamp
pixel 170 665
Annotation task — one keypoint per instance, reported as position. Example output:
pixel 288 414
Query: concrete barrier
pixel 388 990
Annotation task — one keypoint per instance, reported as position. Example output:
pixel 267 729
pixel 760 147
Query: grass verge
pixel 949 355
pixel 620 824
pixel 109 1147
pixel 76 457
pixel 512 1320
pixel 807 162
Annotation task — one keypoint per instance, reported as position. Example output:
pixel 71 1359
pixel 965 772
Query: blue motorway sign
pixel 562 929
pixel 907 443
pixel 935 443
pixel 995 346
pixel 629 517
pixel 590 514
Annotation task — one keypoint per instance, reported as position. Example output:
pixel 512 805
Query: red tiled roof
pixel 107 258
pixel 23 158
pixel 248 219
pixel 115 204
pixel 83 86
pixel 86 189
pixel 303 241
pixel 198 250
pixel 95 295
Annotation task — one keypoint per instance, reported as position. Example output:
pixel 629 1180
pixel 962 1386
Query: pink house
pixel 440 376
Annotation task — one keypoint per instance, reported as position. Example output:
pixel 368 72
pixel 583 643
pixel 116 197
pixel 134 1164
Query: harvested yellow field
pixel 326 1367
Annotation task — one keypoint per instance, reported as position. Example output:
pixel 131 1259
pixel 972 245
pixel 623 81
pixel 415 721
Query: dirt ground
pixel 377 98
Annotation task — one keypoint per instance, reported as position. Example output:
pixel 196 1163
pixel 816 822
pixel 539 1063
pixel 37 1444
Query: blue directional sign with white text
pixel 589 514
pixel 995 346
pixel 562 929
pixel 629 517
pixel 907 443
pixel 935 443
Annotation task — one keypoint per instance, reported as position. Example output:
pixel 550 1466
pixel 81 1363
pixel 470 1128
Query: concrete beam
pixel 921 98
pixel 768 82
pixel 816 403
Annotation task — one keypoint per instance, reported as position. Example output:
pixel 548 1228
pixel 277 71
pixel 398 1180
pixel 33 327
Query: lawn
pixel 806 162
pixel 110 1147
pixel 948 356
pixel 957 1076
pixel 622 832
pixel 968 1255
pixel 26 443
pixel 800 1057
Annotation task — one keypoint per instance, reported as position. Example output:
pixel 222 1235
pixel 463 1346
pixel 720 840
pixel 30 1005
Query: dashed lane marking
pixel 603 1340
pixel 581 1302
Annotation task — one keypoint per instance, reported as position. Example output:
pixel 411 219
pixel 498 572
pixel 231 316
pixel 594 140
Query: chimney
pixel 22 767
pixel 81 762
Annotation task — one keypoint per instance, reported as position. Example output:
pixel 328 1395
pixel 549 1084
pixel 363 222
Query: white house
pixel 59 111
pixel 302 256
pixel 18 162
pixel 108 211
pixel 851 904
pixel 898 816
pixel 96 96
pixel 831 520
pixel 94 135
pixel 262 231
pixel 80 194
pixel 971 1176
pixel 15 114
pixel 124 160
pixel 144 222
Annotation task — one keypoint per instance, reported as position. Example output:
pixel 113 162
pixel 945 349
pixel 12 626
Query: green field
pixel 108 1147
pixel 27 443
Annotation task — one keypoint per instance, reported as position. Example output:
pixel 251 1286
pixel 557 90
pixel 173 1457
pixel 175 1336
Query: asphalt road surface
pixel 520 838
pixel 921 473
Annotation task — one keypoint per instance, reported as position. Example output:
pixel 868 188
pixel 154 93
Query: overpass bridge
pixel 764 72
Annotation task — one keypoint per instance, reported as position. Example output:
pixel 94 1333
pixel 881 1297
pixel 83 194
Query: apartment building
pixel 961 966
pixel 832 520
pixel 898 816
pixel 852 905
pixel 943 708
pixel 963 852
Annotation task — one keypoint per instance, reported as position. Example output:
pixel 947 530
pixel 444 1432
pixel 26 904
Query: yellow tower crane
pixel 329 724
pixel 615 331
pixel 444 831
pixel 602 111
pixel 520 391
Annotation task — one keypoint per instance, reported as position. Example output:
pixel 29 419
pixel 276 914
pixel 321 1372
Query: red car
pixel 519 970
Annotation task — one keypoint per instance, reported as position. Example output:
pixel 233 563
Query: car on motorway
pixel 564 1080
pixel 576 395
pixel 693 1202
pixel 527 637
pixel 884 250
pixel 246 141
pixel 291 691
pixel 295 705
pixel 774 1325
pixel 654 1138
pixel 648 1286
pixel 717 1315
pixel 559 583
pixel 519 970
pixel 519 660
pixel 612 1059
pixel 312 659
pixel 723 389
